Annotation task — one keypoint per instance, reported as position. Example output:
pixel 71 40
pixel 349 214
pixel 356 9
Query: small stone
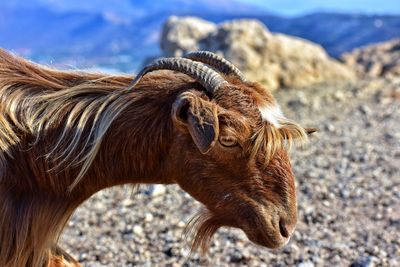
pixel 148 217
pixel 158 190
pixel 339 95
pixel 169 252
pixel 305 264
pixel 236 257
pixel 83 256
pixel 128 202
pixel 315 104
pixel 394 262
pixel 138 230
pixel 326 203
pixel 375 69
pixel 181 224
pixel 329 127
pixel 364 109
pixel 362 262
pixel 388 137
pixel 296 104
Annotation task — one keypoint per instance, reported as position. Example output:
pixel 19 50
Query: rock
pixel 169 252
pixel 183 34
pixel 375 69
pixel 148 217
pixel 339 96
pixel 305 264
pixel 382 59
pixel 276 60
pixel 394 262
pixel 138 230
pixel 156 190
pixel 295 104
pixel 364 109
pixel 236 256
pixel 128 202
pixel 362 262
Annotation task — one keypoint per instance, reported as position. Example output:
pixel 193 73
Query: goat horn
pixel 220 63
pixel 207 77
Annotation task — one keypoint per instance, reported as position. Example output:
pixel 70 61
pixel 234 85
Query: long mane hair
pixel 34 99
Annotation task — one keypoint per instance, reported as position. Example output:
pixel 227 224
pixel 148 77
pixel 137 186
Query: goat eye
pixel 228 141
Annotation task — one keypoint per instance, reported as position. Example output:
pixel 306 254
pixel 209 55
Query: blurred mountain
pixel 140 8
pixel 98 30
pixel 339 33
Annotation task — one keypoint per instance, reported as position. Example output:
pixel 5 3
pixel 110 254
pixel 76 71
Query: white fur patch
pixel 272 114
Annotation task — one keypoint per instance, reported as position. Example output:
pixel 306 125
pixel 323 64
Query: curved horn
pixel 217 62
pixel 207 77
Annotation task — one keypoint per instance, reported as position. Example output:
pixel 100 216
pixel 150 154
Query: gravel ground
pixel 348 181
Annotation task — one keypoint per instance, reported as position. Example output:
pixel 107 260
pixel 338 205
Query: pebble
pixel 138 230
pixel 362 262
pixel 149 217
pixel 305 264
pixel 128 202
pixel 158 190
pixel 339 95
pixel 365 109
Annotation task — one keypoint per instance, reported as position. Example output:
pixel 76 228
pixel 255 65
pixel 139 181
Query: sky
pixel 299 7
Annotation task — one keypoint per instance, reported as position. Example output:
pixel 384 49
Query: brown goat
pixel 67 135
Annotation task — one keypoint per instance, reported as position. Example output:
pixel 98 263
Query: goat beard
pixel 201 228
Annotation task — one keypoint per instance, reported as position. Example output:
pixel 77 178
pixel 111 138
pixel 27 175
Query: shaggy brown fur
pixel 66 135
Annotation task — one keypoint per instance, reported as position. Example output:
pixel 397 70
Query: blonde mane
pixel 35 99
pixel 269 139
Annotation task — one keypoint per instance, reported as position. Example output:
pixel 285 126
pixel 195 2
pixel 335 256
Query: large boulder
pixel 382 59
pixel 276 60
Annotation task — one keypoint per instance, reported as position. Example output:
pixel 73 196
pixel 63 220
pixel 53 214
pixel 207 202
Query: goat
pixel 194 121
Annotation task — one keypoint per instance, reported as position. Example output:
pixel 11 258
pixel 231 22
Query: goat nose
pixel 286 229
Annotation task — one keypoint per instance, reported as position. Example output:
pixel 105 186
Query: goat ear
pixel 199 117
pixel 311 130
